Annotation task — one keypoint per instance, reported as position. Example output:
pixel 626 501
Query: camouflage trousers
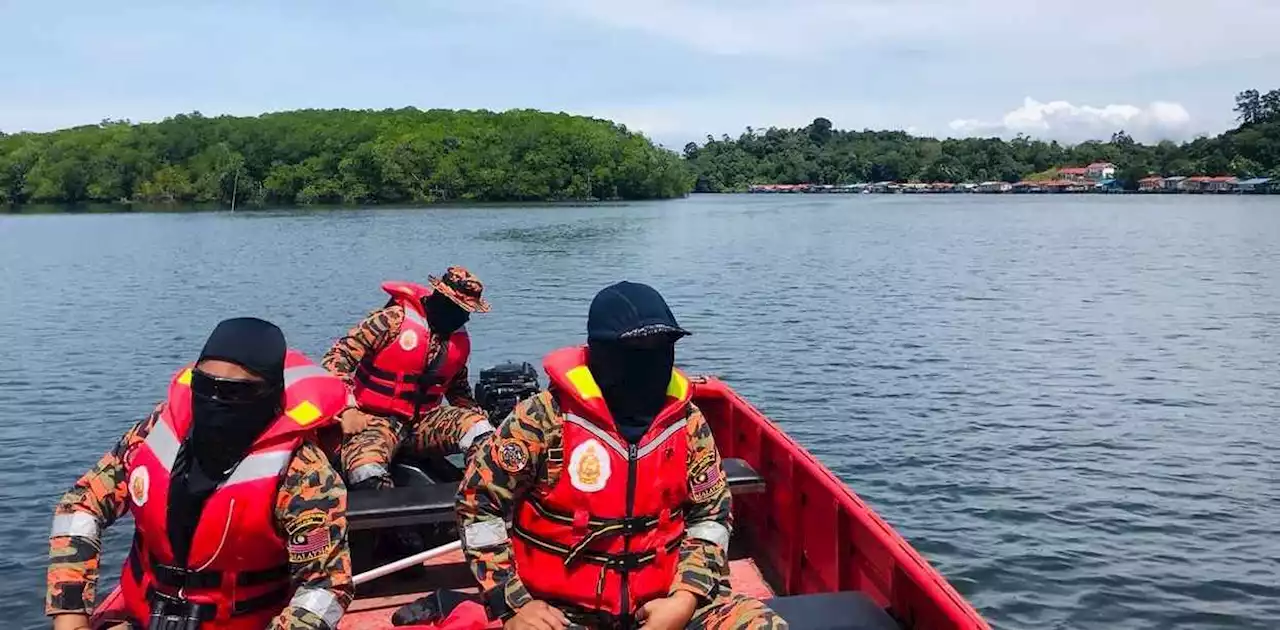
pixel 728 611
pixel 735 611
pixel 446 430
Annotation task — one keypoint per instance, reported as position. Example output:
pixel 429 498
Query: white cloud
pixel 1063 121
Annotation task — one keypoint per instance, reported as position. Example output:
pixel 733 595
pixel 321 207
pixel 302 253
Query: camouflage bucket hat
pixel 462 287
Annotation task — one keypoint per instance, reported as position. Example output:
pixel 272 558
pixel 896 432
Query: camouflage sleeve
pixel 459 393
pixel 75 543
pixel 496 477
pixel 704 559
pixel 311 512
pixel 374 333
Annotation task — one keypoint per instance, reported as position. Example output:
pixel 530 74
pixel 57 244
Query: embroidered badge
pixel 312 542
pixel 589 467
pixel 139 485
pixel 706 479
pixel 408 340
pixel 512 455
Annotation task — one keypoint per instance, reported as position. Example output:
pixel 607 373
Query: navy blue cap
pixel 254 344
pixel 627 310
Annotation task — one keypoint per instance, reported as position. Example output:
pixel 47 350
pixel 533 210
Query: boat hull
pixel 809 533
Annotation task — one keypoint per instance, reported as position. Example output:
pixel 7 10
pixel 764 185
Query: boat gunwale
pixel 903 555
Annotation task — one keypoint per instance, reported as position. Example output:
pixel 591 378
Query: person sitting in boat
pixel 401 362
pixel 240 521
pixel 616 494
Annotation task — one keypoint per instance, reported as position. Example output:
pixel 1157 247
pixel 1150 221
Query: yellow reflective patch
pixel 185 377
pixel 584 382
pixel 678 387
pixel 304 413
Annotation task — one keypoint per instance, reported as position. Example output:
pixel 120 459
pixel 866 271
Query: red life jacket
pixel 238 560
pixel 606 536
pixel 387 381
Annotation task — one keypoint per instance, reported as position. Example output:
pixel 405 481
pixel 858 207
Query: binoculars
pixel 176 614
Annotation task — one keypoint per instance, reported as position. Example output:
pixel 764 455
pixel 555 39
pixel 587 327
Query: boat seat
pixel 847 610
pixel 422 505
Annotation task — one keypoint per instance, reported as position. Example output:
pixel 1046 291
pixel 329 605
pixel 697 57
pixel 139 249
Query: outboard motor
pixel 503 386
pixel 499 389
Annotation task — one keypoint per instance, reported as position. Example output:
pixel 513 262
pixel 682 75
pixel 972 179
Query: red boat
pixel 802 539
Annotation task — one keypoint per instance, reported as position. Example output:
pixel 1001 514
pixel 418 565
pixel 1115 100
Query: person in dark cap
pixel 615 433
pixel 240 521
pixel 403 362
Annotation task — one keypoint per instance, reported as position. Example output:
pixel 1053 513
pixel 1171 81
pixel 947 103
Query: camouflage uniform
pixel 440 430
pixel 311 495
pixel 526 455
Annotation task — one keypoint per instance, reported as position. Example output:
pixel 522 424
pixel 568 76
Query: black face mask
pixel 222 432
pixel 228 415
pixel 444 316
pixel 633 380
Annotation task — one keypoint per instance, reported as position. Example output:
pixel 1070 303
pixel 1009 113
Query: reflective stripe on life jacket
pixel 387 382
pixel 600 539
pixel 238 563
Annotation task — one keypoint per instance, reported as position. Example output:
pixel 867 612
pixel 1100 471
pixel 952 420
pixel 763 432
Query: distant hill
pixel 341 156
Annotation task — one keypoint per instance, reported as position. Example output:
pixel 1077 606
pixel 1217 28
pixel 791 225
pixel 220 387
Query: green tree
pixel 1248 107
pixel 1269 106
pixel 169 184
pixel 820 130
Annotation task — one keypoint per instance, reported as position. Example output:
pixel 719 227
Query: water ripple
pixel 1067 405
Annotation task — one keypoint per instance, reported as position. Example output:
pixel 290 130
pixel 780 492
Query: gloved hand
pixel 438 607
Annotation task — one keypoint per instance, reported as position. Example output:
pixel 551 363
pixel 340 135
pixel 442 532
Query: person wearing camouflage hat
pixel 403 362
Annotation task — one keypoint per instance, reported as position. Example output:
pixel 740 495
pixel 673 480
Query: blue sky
pixel 675 69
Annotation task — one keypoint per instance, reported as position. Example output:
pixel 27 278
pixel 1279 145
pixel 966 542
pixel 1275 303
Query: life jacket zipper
pixel 626 535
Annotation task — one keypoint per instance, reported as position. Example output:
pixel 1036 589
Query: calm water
pixel 1067 405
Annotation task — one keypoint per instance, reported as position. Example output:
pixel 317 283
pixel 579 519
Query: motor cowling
pixel 501 387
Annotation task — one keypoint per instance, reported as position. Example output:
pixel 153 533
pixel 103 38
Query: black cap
pixel 254 344
pixel 627 310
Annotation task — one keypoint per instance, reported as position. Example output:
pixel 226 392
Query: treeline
pixel 1254 107
pixel 818 154
pixel 340 156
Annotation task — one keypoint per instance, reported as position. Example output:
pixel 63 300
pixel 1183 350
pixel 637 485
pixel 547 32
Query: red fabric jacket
pixel 606 536
pixel 386 382
pixel 238 560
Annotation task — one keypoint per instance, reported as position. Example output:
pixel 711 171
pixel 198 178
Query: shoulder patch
pixel 139 485
pixel 408 340
pixel 706 479
pixel 512 455
pixel 310 539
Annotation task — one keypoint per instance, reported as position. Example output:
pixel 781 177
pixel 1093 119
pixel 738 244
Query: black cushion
pixel 847 610
pixel 415 505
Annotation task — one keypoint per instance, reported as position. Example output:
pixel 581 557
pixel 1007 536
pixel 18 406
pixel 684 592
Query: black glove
pixel 430 608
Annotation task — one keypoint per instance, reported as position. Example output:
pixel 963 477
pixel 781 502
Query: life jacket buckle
pixel 636 525
pixel 184 578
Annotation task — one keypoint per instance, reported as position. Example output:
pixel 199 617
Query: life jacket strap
pixel 184 578
pixel 619 562
pixel 276 598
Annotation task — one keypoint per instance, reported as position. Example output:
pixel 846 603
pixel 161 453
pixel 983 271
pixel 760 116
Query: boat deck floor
pixel 374 613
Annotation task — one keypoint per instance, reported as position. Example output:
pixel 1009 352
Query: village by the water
pixel 1099 177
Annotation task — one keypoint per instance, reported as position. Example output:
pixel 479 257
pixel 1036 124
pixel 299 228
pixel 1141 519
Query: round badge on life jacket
pixel 589 467
pixel 139 485
pixel 408 340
